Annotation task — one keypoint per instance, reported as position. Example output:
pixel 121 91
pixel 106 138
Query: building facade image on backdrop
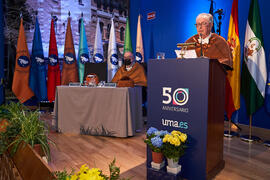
pixel 92 12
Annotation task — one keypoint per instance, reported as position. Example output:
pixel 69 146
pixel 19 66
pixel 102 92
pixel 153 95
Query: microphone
pixel 219 11
pixel 201 45
pixel 125 65
pixel 179 45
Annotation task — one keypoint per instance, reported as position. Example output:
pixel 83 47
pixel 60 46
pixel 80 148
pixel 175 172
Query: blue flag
pixel 37 79
pixel 267 91
pixel 83 55
pixel 1 55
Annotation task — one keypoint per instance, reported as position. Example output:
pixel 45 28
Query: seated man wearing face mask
pixel 130 70
pixel 210 44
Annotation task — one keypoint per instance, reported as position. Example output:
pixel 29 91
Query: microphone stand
pixel 220 14
pixel 201 45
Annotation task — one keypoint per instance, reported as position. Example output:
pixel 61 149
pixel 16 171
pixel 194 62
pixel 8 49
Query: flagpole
pixel 230 133
pixel 249 138
pixel 266 143
pixel 250 124
pixel 38 101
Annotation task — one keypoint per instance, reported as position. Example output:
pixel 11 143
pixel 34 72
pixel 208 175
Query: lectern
pixel 188 95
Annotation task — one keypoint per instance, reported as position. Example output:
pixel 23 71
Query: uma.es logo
pixel 179 96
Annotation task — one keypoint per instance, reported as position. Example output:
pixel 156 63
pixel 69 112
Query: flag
pixel 98 46
pixel 151 46
pixel 139 43
pixel 253 77
pixel 112 54
pixel 37 80
pixel 1 55
pixel 232 100
pixel 267 91
pixel 127 43
pixel 69 71
pixel 83 55
pixel 20 84
pixel 211 11
pixel 53 66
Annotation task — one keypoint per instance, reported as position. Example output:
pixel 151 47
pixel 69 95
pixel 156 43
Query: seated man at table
pixel 210 44
pixel 130 70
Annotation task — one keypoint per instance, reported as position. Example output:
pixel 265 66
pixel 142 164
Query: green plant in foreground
pixel 33 131
pixel 93 173
pixel 63 175
pixel 11 112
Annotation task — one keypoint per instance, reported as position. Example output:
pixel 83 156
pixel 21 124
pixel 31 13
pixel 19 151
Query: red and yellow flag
pixel 70 70
pixel 233 78
pixel 20 84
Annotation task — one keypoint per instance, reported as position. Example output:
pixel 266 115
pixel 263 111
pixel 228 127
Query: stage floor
pixel 242 160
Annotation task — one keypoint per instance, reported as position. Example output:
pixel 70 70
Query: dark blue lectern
pixel 188 95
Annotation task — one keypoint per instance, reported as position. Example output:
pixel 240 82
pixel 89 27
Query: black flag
pixel 211 11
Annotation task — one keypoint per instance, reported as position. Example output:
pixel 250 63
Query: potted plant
pixel 94 173
pixel 174 145
pixel 10 114
pixel 33 132
pixel 154 141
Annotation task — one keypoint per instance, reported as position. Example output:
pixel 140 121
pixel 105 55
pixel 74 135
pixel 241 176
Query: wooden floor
pixel 242 160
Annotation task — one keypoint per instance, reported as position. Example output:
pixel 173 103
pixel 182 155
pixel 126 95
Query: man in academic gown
pixel 132 70
pixel 210 44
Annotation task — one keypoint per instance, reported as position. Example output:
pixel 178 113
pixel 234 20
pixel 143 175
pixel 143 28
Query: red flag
pixel 232 102
pixel 20 84
pixel 53 67
pixel 70 70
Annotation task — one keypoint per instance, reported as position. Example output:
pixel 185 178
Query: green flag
pixel 83 56
pixel 253 77
pixel 127 46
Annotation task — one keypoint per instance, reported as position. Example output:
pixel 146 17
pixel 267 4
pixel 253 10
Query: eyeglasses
pixel 202 24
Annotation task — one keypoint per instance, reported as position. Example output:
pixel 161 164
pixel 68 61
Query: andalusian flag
pixel 83 55
pixel 139 43
pixel 38 70
pixel 54 73
pixel 127 45
pixel 69 71
pixel 20 84
pixel 253 78
pixel 112 55
pixel 233 77
pixel 98 46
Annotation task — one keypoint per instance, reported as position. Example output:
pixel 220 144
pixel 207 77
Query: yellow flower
pixel 170 138
pixel 73 177
pixel 176 132
pixel 183 137
pixel 175 141
pixel 84 168
pixel 166 138
pixel 178 142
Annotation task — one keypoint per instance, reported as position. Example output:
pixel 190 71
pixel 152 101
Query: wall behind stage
pixel 174 23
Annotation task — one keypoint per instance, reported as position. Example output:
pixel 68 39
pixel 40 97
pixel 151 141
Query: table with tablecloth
pixel 103 111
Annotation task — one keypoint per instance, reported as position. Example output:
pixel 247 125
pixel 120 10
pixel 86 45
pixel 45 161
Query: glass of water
pixel 160 55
